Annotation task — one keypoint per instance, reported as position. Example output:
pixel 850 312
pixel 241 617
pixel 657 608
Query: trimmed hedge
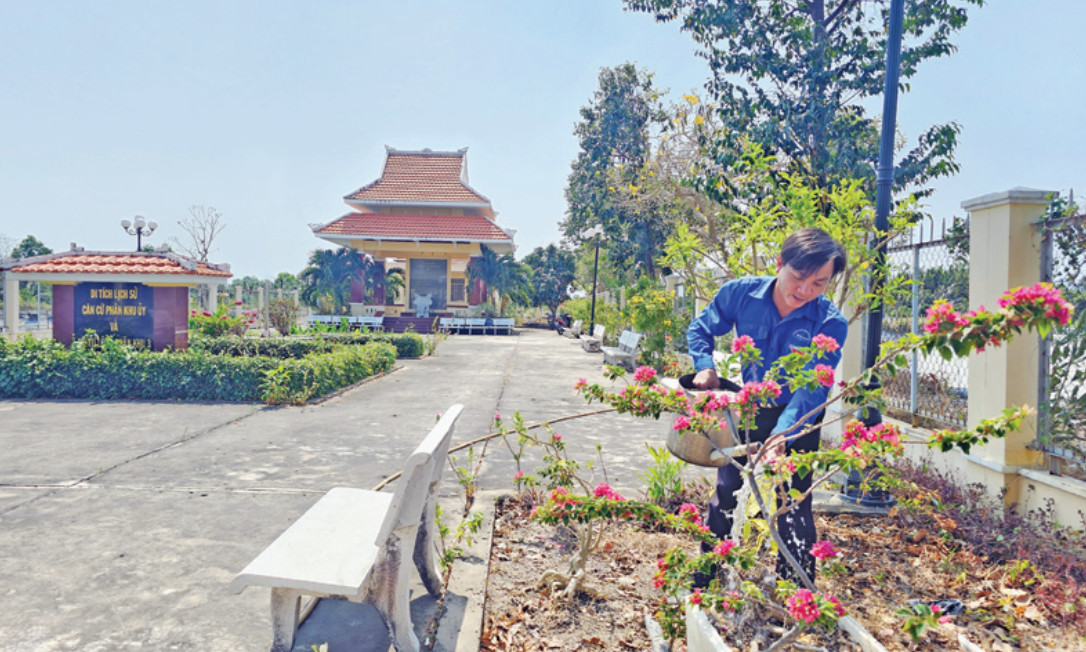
pixel 33 368
pixel 408 345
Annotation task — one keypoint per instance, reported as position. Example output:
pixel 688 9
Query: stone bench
pixel 593 342
pixel 354 544
pixel 625 354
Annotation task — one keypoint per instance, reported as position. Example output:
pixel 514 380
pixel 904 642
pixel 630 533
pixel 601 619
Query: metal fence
pixel 1061 430
pixel 933 392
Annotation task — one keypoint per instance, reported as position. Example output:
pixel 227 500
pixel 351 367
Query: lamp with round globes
pixel 139 228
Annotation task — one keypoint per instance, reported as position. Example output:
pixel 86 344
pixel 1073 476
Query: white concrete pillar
pixel 1004 253
pixel 11 306
pixel 237 301
pixel 212 297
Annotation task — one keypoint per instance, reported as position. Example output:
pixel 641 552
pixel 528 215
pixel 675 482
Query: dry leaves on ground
pixel 889 563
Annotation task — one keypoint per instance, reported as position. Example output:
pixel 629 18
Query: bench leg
pixel 390 597
pixel 425 562
pixel 284 612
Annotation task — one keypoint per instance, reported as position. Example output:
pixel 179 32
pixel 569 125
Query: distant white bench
pixel 370 322
pixel 593 342
pixel 625 354
pixel 574 329
pixel 353 545
pixel 503 325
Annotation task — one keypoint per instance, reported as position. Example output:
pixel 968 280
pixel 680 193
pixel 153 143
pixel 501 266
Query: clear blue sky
pixel 271 111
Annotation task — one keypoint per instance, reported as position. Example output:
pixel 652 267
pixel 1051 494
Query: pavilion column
pixel 11 305
pixel 212 297
pixel 1004 253
pixel 238 307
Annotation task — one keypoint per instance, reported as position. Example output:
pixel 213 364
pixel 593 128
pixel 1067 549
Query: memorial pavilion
pixel 422 217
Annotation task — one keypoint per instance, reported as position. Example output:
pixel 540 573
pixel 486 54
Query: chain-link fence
pixel 1062 419
pixel 933 392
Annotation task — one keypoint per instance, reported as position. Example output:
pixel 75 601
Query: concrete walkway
pixel 121 524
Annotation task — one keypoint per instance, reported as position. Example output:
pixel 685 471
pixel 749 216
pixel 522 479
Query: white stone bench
pixel 574 329
pixel 593 342
pixel 625 354
pixel 371 322
pixel 353 544
pixel 503 325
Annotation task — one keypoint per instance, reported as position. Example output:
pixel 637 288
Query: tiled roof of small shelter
pixel 100 262
pixel 386 226
pixel 421 177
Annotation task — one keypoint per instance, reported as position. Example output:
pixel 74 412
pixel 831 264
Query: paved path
pixel 121 524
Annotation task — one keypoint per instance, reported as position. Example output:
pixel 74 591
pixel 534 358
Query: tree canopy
pixel 553 270
pixel 326 281
pixel 614 134
pixel 30 246
pixel 790 74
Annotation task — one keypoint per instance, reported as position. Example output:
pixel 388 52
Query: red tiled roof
pixel 415 227
pixel 114 263
pixel 424 177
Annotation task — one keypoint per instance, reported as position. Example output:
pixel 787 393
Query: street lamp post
pixel 853 489
pixel 139 228
pixel 595 232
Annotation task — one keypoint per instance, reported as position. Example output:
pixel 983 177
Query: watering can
pixel 711 449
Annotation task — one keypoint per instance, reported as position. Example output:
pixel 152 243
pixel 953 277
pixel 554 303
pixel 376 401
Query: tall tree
pixel 326 281
pixel 30 246
pixel 203 225
pixel 553 270
pixel 614 135
pixel 790 74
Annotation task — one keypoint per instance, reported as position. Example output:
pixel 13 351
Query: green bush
pixel 298 380
pixel 408 345
pixel 107 369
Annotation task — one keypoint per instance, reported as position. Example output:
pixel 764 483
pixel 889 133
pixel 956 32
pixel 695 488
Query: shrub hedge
pixel 408 345
pixel 42 368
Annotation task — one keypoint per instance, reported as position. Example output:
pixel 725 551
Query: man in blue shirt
pixel 779 313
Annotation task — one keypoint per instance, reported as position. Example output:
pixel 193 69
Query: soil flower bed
pixel 891 560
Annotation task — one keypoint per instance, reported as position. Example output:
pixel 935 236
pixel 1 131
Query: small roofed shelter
pixel 137 297
pixel 422 217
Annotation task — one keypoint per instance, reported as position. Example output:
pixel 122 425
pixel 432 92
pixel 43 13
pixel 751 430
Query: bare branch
pixel 203 225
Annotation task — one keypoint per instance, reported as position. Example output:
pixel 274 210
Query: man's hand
pixel 707 379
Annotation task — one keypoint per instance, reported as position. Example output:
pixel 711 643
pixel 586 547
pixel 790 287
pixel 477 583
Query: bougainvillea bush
pixel 1038 308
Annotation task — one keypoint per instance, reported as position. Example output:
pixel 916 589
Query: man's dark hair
pixel 807 250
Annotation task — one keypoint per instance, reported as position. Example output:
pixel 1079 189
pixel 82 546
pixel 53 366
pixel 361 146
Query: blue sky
pixel 272 111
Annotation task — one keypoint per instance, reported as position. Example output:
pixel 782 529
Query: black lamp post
pixel 595 232
pixel 139 228
pixel 884 182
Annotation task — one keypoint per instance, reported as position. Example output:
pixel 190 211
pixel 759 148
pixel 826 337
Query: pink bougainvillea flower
pixel 581 382
pixel 724 547
pixel 644 374
pixel 743 343
pixel 604 490
pixel 695 597
pixel 824 374
pixel 802 606
pixel 681 423
pixel 558 438
pixel 825 343
pixel 518 475
pixel 690 513
pixel 824 550
pixel 836 605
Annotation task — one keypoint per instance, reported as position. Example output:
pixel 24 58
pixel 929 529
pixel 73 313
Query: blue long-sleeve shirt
pixel 746 304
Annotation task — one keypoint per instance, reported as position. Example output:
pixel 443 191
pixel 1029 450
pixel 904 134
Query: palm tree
pixel 326 281
pixel 502 275
pixel 378 276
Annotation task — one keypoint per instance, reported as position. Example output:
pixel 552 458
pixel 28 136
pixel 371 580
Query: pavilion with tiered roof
pixel 423 217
